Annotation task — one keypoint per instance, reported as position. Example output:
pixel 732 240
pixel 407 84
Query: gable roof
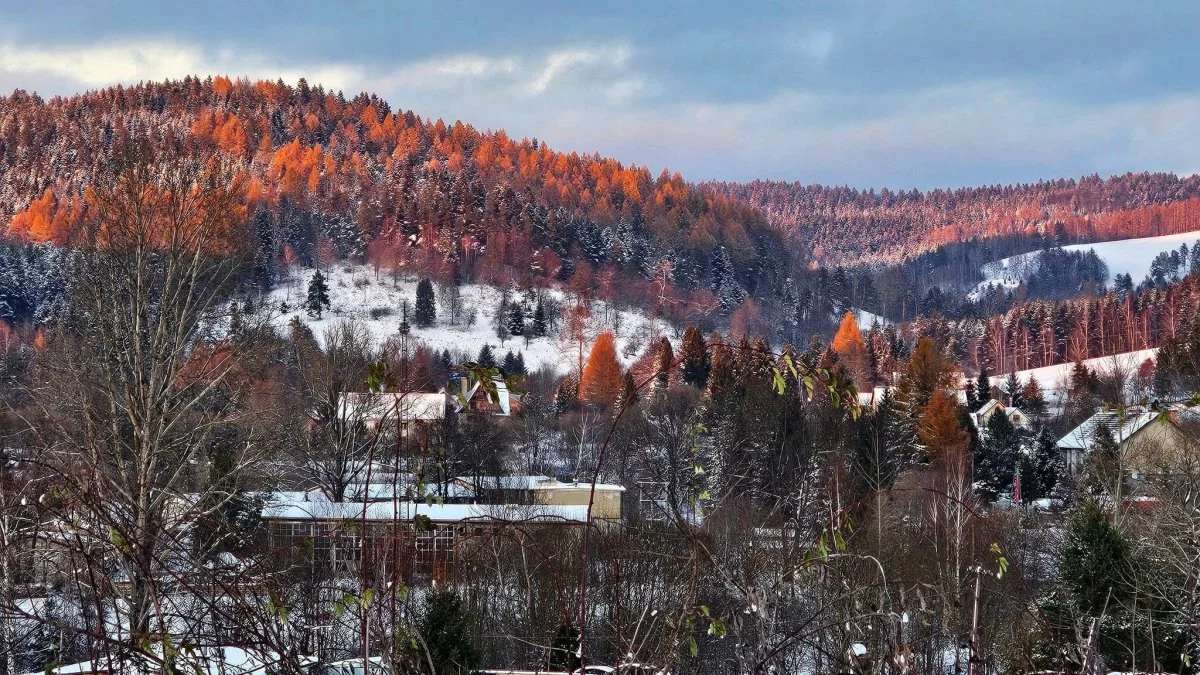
pixel 1122 427
pixel 409 406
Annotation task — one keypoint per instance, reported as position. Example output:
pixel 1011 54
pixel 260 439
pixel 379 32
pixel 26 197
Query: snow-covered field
pixel 357 292
pixel 1124 256
pixel 1055 380
pixel 866 319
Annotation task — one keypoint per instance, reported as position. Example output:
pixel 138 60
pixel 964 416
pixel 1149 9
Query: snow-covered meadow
pixel 1123 256
pixel 374 299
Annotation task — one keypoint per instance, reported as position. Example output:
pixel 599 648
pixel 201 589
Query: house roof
pixel 1122 427
pixel 389 511
pixel 409 406
pixel 531 482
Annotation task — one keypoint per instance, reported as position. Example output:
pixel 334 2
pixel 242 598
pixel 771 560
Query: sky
pixel 892 94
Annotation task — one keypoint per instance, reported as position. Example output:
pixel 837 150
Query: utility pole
pixel 975 660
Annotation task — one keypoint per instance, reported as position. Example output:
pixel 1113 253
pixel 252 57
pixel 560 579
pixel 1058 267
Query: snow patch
pixel 374 299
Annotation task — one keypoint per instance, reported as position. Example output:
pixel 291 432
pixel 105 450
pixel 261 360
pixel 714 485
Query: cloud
pixel 561 63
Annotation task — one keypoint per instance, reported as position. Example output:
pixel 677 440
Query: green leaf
pixel 780 385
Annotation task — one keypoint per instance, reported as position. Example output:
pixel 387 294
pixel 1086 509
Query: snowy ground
pixel 357 292
pixel 1125 256
pixel 1054 380
pixel 866 319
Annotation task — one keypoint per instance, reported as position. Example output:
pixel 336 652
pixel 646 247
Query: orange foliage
pixel 601 382
pixel 849 339
pixel 938 428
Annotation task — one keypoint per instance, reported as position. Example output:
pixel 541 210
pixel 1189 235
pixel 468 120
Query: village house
pixel 399 536
pixel 979 418
pixel 1150 442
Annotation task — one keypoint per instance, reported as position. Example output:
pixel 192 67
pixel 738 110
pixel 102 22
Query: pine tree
pixel 971 396
pixel 509 364
pixel 425 311
pixel 1096 565
pixel 564 651
pixel 318 295
pixel 848 338
pixel 996 461
pixel 1040 472
pixel 927 372
pixel 1033 401
pixel 516 319
pixel 983 388
pixel 629 393
pixel 1012 389
pixel 445 627
pixel 539 319
pixel 695 360
pixel 486 358
pixel 601 380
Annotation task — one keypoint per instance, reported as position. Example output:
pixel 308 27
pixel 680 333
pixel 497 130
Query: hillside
pixel 1133 257
pixel 327 178
pixel 374 301
pixel 840 225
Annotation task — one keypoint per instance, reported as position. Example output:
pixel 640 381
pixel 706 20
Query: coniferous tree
pixel 425 309
pixel 318 295
pixel 509 364
pixel 971 396
pixel 1040 472
pixel 1095 563
pixel 995 464
pixel 664 363
pixel 939 429
pixel 486 358
pixel 516 319
pixel 445 628
pixel 1033 400
pixel 983 388
pixel 1012 389
pixel 629 393
pixel 539 319
pixel 694 357
pixel 601 380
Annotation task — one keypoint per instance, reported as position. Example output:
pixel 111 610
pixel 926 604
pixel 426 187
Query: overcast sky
pixel 898 94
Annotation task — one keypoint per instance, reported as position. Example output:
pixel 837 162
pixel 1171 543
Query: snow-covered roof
pixel 409 406
pixel 200 660
pixel 440 513
pixel 531 483
pixel 1122 427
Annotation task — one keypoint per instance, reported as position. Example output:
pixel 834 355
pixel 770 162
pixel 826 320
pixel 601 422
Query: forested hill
pixel 326 177
pixel 840 225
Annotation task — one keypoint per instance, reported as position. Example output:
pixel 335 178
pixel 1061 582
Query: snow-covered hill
pixel 374 299
pixel 1056 379
pixel 1124 256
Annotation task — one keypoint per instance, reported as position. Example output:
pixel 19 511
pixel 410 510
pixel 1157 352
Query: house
pixel 397 535
pixel 979 418
pixel 400 539
pixel 390 408
pixel 1150 442
pixel 871 399
pixel 536 489
pixel 473 396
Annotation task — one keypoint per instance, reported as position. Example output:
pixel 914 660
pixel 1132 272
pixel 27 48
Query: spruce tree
pixel 510 363
pixel 539 319
pixel 996 462
pixel 425 311
pixel 1040 472
pixel 486 358
pixel 1012 389
pixel 445 627
pixel 1095 565
pixel 318 295
pixel 983 388
pixel 516 319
